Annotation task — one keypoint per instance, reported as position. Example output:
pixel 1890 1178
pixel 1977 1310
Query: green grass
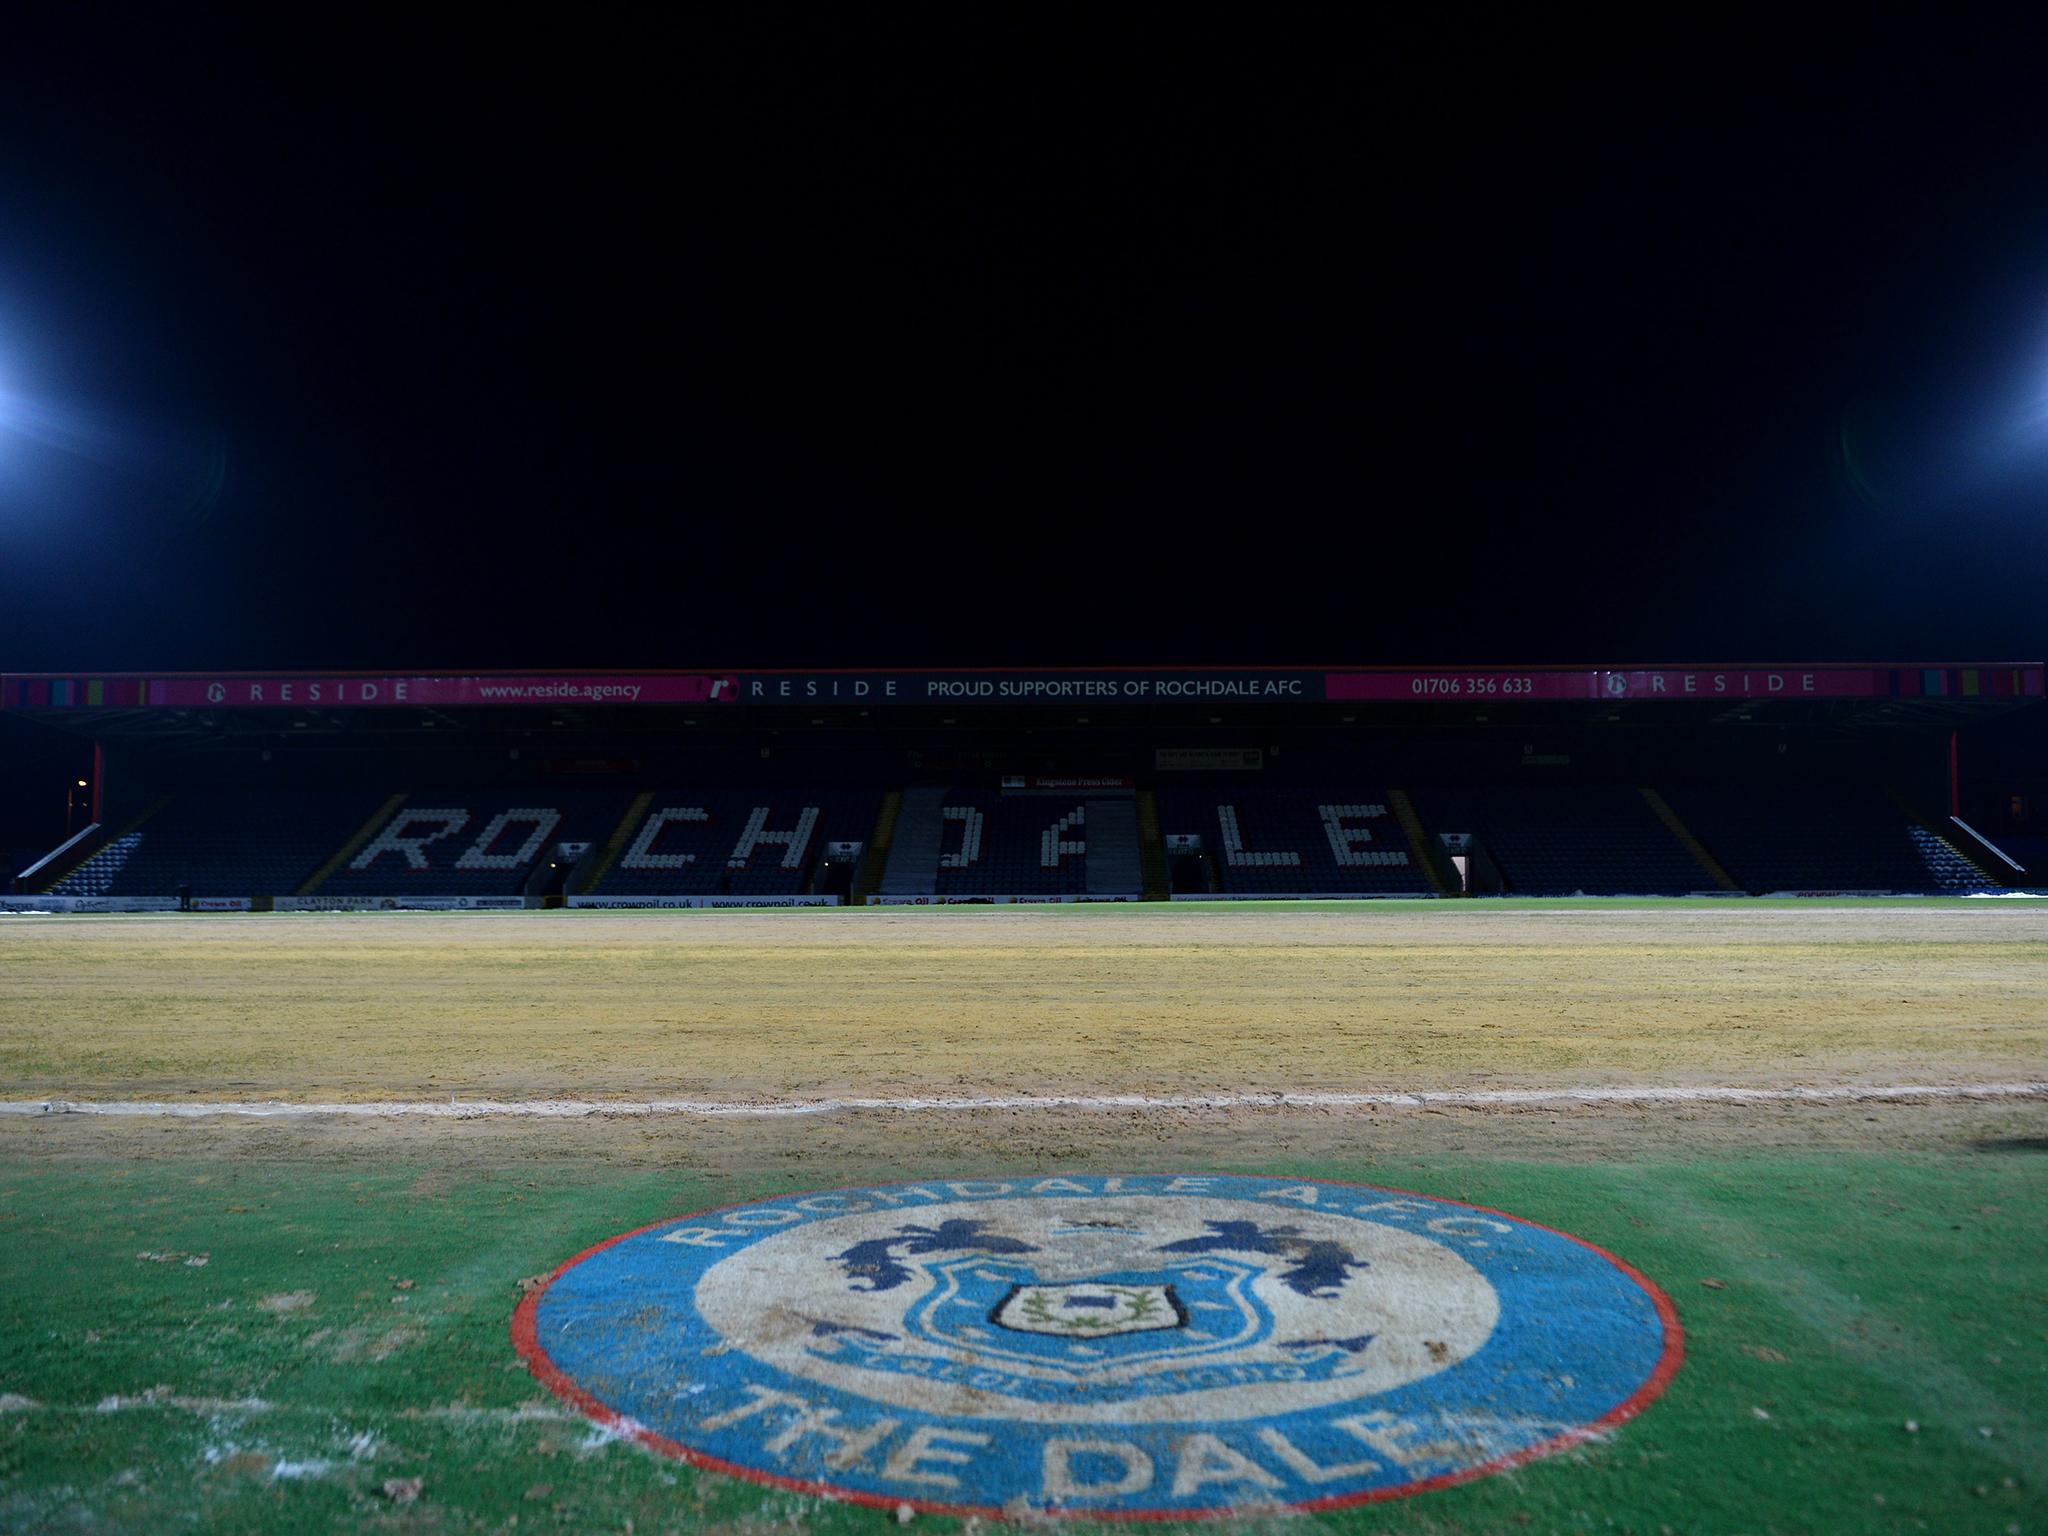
pixel 281 1382
pixel 1733 901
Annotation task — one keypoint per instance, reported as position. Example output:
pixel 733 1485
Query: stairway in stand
pixel 1114 867
pixel 596 869
pixel 868 879
pixel 1428 854
pixel 914 851
pixel 1692 845
pixel 1152 848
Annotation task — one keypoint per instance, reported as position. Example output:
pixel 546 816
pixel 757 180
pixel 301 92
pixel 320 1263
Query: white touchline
pixel 576 1109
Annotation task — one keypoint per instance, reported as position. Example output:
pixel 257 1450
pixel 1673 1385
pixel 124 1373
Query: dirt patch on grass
pixel 821 1148
pixel 1132 1000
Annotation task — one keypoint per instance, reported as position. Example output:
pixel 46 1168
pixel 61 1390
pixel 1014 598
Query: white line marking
pixel 578 1109
pixel 249 1407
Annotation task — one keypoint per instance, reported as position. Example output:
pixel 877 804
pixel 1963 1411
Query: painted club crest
pixel 1119 1345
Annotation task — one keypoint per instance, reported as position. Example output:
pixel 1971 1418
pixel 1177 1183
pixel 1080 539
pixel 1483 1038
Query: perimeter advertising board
pixel 1226 685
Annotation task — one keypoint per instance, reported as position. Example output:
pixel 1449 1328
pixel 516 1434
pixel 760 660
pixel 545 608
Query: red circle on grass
pixel 525 1339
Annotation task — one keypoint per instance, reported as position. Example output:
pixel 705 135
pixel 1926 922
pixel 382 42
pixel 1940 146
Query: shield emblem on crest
pixel 1003 1309
pixel 1089 1309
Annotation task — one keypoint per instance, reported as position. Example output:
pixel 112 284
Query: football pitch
pixel 318 1275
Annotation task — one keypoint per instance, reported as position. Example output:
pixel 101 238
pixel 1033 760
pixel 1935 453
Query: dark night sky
pixel 957 335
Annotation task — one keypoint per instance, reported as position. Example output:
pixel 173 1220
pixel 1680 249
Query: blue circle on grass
pixel 1136 1347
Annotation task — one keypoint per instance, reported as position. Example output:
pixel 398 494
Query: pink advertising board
pixel 452 692
pixel 1511 684
pixel 1054 686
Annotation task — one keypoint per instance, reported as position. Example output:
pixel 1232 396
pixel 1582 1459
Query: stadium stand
pixel 472 843
pixel 746 842
pixel 965 843
pixel 223 843
pixel 1839 837
pixel 1568 839
pixel 1296 841
pixel 1202 781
